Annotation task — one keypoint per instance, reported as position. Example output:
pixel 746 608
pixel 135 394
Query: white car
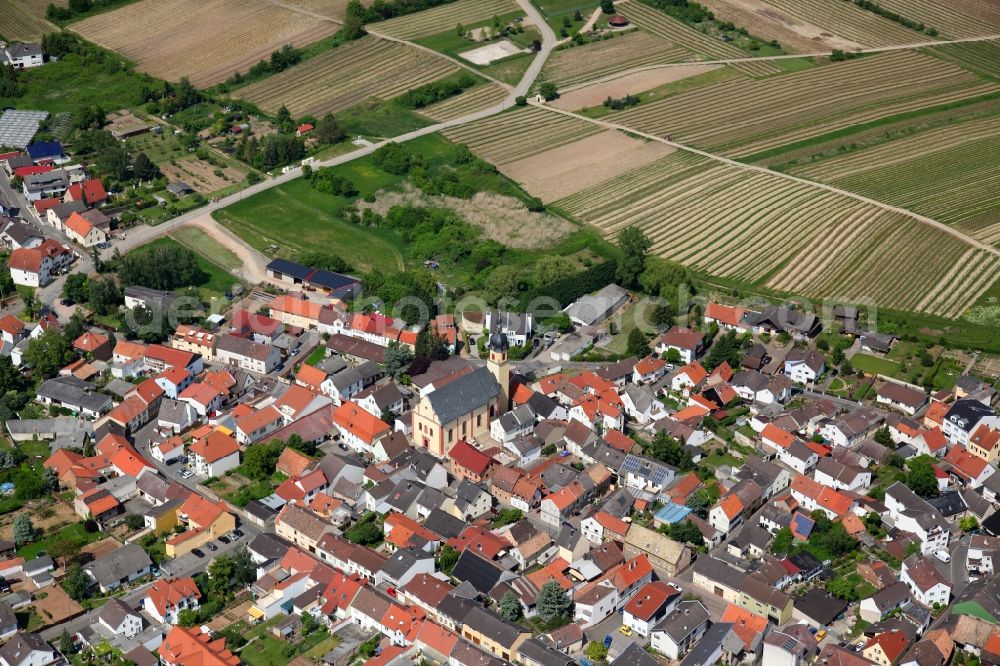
pixel 942 555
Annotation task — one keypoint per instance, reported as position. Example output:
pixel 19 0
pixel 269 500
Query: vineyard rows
pixel 892 260
pixel 476 99
pixel 347 75
pixel 444 18
pixel 19 22
pixel 983 57
pixel 846 20
pixel 521 133
pixel 660 24
pixel 743 225
pixel 882 133
pixel 740 117
pixel 204 40
pixel 944 17
pixel 579 64
pixel 949 185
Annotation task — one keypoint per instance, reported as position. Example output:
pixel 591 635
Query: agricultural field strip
pixel 344 76
pixel 868 88
pixel 981 56
pixel 518 134
pixel 479 97
pixel 947 19
pixel 989 254
pixel 581 64
pixel 18 22
pixel 658 23
pixel 952 184
pixel 844 19
pixel 889 132
pixel 444 17
pixel 900 150
pixel 171 40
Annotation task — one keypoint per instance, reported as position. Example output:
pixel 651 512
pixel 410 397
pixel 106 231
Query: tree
pixel 921 478
pixel 638 343
pixel 397 359
pixel 24 530
pixel 687 532
pixel 553 267
pixel 510 607
pixel 76 288
pixel 244 569
pixel 354 20
pixel 260 461
pixel 596 651
pixel 884 437
pixel 548 91
pixel 328 130
pixel 782 544
pixel 367 531
pixel 144 168
pixel 634 244
pixel 447 558
pixel 76 582
pixel 49 352
pixel 220 576
pixel 104 295
pixel 66 643
pixel 553 602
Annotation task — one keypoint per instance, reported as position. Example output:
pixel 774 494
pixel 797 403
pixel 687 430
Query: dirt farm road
pixel 254 261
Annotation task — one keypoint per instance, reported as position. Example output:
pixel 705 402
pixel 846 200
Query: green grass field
pixel 873 365
pixel 74 531
pixel 295 217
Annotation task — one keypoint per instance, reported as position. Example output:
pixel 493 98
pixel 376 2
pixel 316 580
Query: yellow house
pixel 461 409
pixel 163 519
pixel 494 635
pixel 761 599
pixel 205 520
pixel 985 443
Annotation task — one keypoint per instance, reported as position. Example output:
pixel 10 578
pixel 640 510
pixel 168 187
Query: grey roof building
pixel 119 567
pixel 463 395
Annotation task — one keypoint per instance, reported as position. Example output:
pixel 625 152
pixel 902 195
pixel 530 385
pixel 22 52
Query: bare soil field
pixel 204 40
pixel 772 23
pixel 574 65
pixel 54 605
pixel 630 84
pixel 501 218
pixel 574 167
pixel 18 21
pixel 201 175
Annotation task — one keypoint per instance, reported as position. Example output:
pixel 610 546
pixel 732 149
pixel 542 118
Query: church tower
pixel 497 363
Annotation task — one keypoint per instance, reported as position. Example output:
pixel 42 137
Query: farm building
pixel 333 284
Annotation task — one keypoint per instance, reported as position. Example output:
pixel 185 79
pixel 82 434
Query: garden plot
pixel 488 53
pixel 571 168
